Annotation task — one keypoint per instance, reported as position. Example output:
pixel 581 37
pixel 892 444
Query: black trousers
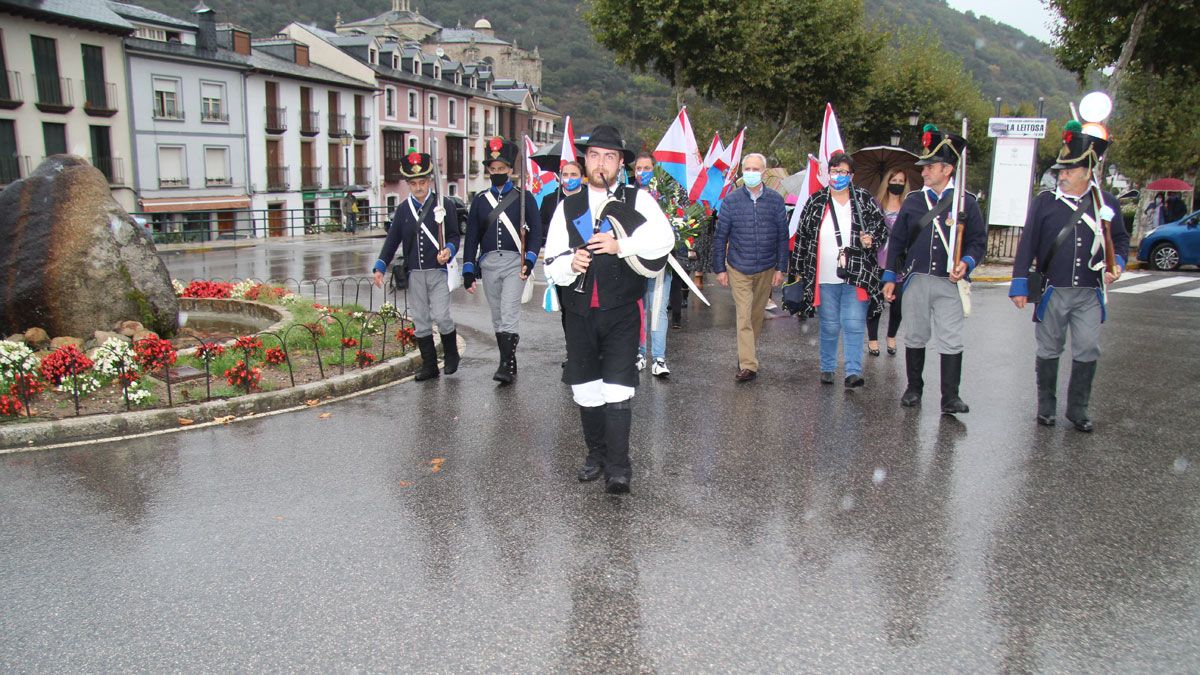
pixel 894 317
pixel 603 345
pixel 677 294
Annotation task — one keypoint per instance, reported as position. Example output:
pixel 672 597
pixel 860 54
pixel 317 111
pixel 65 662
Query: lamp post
pixel 347 140
pixel 895 137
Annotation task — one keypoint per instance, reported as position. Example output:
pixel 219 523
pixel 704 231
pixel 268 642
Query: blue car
pixel 1173 244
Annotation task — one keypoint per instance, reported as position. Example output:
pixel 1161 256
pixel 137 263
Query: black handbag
pixel 400 275
pixel 843 250
pixel 1037 274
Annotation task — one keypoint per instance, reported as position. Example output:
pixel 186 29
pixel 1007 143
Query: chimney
pixel 206 37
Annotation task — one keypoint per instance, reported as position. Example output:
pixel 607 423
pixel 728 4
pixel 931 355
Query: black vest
pixel 619 284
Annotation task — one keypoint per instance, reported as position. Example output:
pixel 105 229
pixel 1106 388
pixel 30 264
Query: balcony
pixel 172 183
pixel 339 177
pixel 489 130
pixel 213 181
pixel 10 90
pixel 474 128
pixel 167 111
pixel 310 123
pixel 214 115
pixel 310 178
pixel 362 175
pixel 53 93
pixel 474 170
pixel 112 168
pixel 99 98
pixel 277 178
pixel 362 126
pixel 13 168
pixel 337 125
pixel 276 119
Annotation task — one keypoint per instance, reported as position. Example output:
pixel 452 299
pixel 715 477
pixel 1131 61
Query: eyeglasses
pixel 840 172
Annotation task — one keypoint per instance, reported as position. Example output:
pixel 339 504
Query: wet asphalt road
pixel 781 525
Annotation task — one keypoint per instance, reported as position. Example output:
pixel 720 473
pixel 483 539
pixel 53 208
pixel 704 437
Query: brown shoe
pixel 745 375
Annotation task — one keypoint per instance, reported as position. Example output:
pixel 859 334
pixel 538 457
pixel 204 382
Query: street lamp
pixel 895 137
pixel 347 141
pixel 914 116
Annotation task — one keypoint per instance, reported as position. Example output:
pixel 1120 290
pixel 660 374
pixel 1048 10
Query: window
pixel 216 166
pixel 393 154
pixel 433 106
pixel 171 167
pixel 395 61
pixel 389 102
pixel 102 157
pixel 437 71
pixel 373 56
pixel 45 68
pixel 166 99
pixel 451 112
pixel 453 188
pixel 412 105
pixel 148 33
pixel 95 93
pixel 10 169
pixel 433 146
pixel 212 102
pixel 55 137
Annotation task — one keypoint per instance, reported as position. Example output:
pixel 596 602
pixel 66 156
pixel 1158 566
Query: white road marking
pixel 1157 284
pixel 1194 293
pixel 1129 276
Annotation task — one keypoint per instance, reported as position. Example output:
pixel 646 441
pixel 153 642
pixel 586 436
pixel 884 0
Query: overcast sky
pixel 1028 15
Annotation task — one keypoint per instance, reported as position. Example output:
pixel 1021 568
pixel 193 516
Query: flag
pixel 711 180
pixel 677 152
pixel 731 160
pixel 831 142
pixel 568 145
pixel 812 184
pixel 538 181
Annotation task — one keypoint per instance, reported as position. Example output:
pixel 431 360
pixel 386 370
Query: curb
pixel 99 428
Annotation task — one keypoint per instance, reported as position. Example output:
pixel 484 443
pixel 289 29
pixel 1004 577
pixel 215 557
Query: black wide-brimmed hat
pixel 607 137
pixel 1080 148
pixel 500 150
pixel 940 147
pixel 416 165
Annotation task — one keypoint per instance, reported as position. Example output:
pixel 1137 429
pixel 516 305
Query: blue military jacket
pixel 915 250
pixel 417 248
pixel 1079 262
pixel 482 239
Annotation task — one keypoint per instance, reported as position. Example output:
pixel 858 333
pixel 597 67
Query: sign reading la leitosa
pixel 1017 127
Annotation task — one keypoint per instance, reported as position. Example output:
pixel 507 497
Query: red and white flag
pixel 730 160
pixel 568 145
pixel 812 184
pixel 831 143
pixel 678 153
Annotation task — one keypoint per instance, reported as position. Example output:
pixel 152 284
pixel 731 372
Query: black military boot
pixel 1079 392
pixel 951 374
pixel 1047 391
pixel 429 364
pixel 617 419
pixel 502 375
pixel 594 436
pixel 450 352
pixel 513 339
pixel 914 364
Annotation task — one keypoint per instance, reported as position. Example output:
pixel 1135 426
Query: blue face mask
pixel 839 182
pixel 572 183
pixel 644 177
pixel 752 178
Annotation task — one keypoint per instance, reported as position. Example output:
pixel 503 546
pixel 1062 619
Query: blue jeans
pixel 658 338
pixel 841 311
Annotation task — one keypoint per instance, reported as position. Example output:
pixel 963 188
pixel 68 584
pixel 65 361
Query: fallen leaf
pixel 223 420
pixel 404 483
pixel 436 464
pixel 279 518
pixel 324 416
pixel 312 401
pixel 183 421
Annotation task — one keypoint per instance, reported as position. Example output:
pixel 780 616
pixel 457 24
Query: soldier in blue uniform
pixel 1063 244
pixel 920 251
pixel 425 229
pixel 496 250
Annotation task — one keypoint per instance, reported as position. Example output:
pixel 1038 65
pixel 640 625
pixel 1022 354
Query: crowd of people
pixel 617 264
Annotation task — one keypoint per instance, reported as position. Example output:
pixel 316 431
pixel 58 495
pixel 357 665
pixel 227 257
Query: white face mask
pixel 752 178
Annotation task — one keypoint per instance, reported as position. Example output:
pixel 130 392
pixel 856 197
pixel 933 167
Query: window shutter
pixel 214 164
pixel 170 165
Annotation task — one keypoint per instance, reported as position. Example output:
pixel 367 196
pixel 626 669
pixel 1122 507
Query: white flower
pixel 178 286
pixel 240 288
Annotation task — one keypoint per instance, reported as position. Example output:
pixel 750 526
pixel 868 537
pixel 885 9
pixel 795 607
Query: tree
pixel 1156 130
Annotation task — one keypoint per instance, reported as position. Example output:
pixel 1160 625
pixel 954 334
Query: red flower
pixel 9 406
pixel 1067 136
pixel 363 359
pixel 209 351
pixel 64 362
pixel 275 356
pixel 208 289
pixel 248 343
pixel 154 353
pixel 26 386
pixel 240 375
pixel 926 139
pixel 406 336
pixel 349 342
pixel 495 144
pixel 414 158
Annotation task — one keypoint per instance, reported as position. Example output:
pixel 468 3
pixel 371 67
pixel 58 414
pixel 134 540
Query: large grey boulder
pixel 73 260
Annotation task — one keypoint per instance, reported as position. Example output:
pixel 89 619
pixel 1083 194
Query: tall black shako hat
pixel 607 137
pixel 940 147
pixel 416 165
pixel 500 150
pixel 1080 148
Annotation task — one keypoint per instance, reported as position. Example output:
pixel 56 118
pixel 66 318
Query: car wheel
pixel 1164 257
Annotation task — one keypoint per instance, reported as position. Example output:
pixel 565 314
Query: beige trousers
pixel 750 295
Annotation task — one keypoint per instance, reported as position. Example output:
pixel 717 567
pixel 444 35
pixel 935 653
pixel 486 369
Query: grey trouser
pixel 933 314
pixel 502 285
pixel 1078 309
pixel 429 301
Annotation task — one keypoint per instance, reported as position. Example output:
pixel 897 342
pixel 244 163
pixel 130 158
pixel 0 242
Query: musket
pixel 960 200
pixel 1102 211
pixel 437 190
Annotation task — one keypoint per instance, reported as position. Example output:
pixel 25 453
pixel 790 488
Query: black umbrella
pixel 548 156
pixel 874 164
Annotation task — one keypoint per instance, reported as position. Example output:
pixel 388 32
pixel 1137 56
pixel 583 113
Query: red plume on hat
pixel 927 136
pixel 495 144
pixel 414 158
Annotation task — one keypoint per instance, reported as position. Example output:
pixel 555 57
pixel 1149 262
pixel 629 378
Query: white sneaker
pixel 659 369
pixel 641 362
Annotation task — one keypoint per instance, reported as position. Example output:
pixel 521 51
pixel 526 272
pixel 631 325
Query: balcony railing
pixel 362 126
pixel 112 169
pixel 276 119
pixel 339 177
pixel 310 177
pixel 337 125
pixel 53 93
pixel 168 183
pixel 13 168
pixel 10 90
pixel 474 128
pixel 214 115
pixel 99 98
pixel 212 181
pixel 169 111
pixel 490 130
pixel 474 169
pixel 362 175
pixel 310 123
pixel 277 178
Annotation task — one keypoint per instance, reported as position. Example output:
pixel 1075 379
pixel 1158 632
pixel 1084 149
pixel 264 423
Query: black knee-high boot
pixel 951 374
pixel 914 364
pixel 1079 392
pixel 1047 391
pixel 617 420
pixel 594 436
pixel 502 373
pixel 450 352
pixel 429 364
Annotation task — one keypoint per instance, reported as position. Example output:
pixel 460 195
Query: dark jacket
pixel 405 236
pixel 861 263
pixel 919 250
pixel 752 235
pixel 483 238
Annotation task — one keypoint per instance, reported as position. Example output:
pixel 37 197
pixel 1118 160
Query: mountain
pixel 579 76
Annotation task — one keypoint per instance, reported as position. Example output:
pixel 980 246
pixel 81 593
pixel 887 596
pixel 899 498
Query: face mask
pixel 572 183
pixel 499 179
pixel 644 177
pixel 752 178
pixel 839 182
pixel 896 188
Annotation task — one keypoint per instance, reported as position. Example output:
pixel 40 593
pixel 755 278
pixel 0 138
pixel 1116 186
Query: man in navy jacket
pixel 750 252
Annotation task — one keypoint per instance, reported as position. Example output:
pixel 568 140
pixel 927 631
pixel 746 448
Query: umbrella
pixel 794 184
pixel 548 157
pixel 1169 185
pixel 872 166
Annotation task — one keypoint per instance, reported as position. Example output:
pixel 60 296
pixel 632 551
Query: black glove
pixel 468 279
pixel 526 268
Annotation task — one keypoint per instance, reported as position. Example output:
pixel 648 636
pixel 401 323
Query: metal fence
pixel 209 226
pixel 1002 242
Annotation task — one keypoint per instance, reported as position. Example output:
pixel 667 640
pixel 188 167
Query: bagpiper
pixel 1061 266
pixel 921 252
pixel 425 229
pixel 503 232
